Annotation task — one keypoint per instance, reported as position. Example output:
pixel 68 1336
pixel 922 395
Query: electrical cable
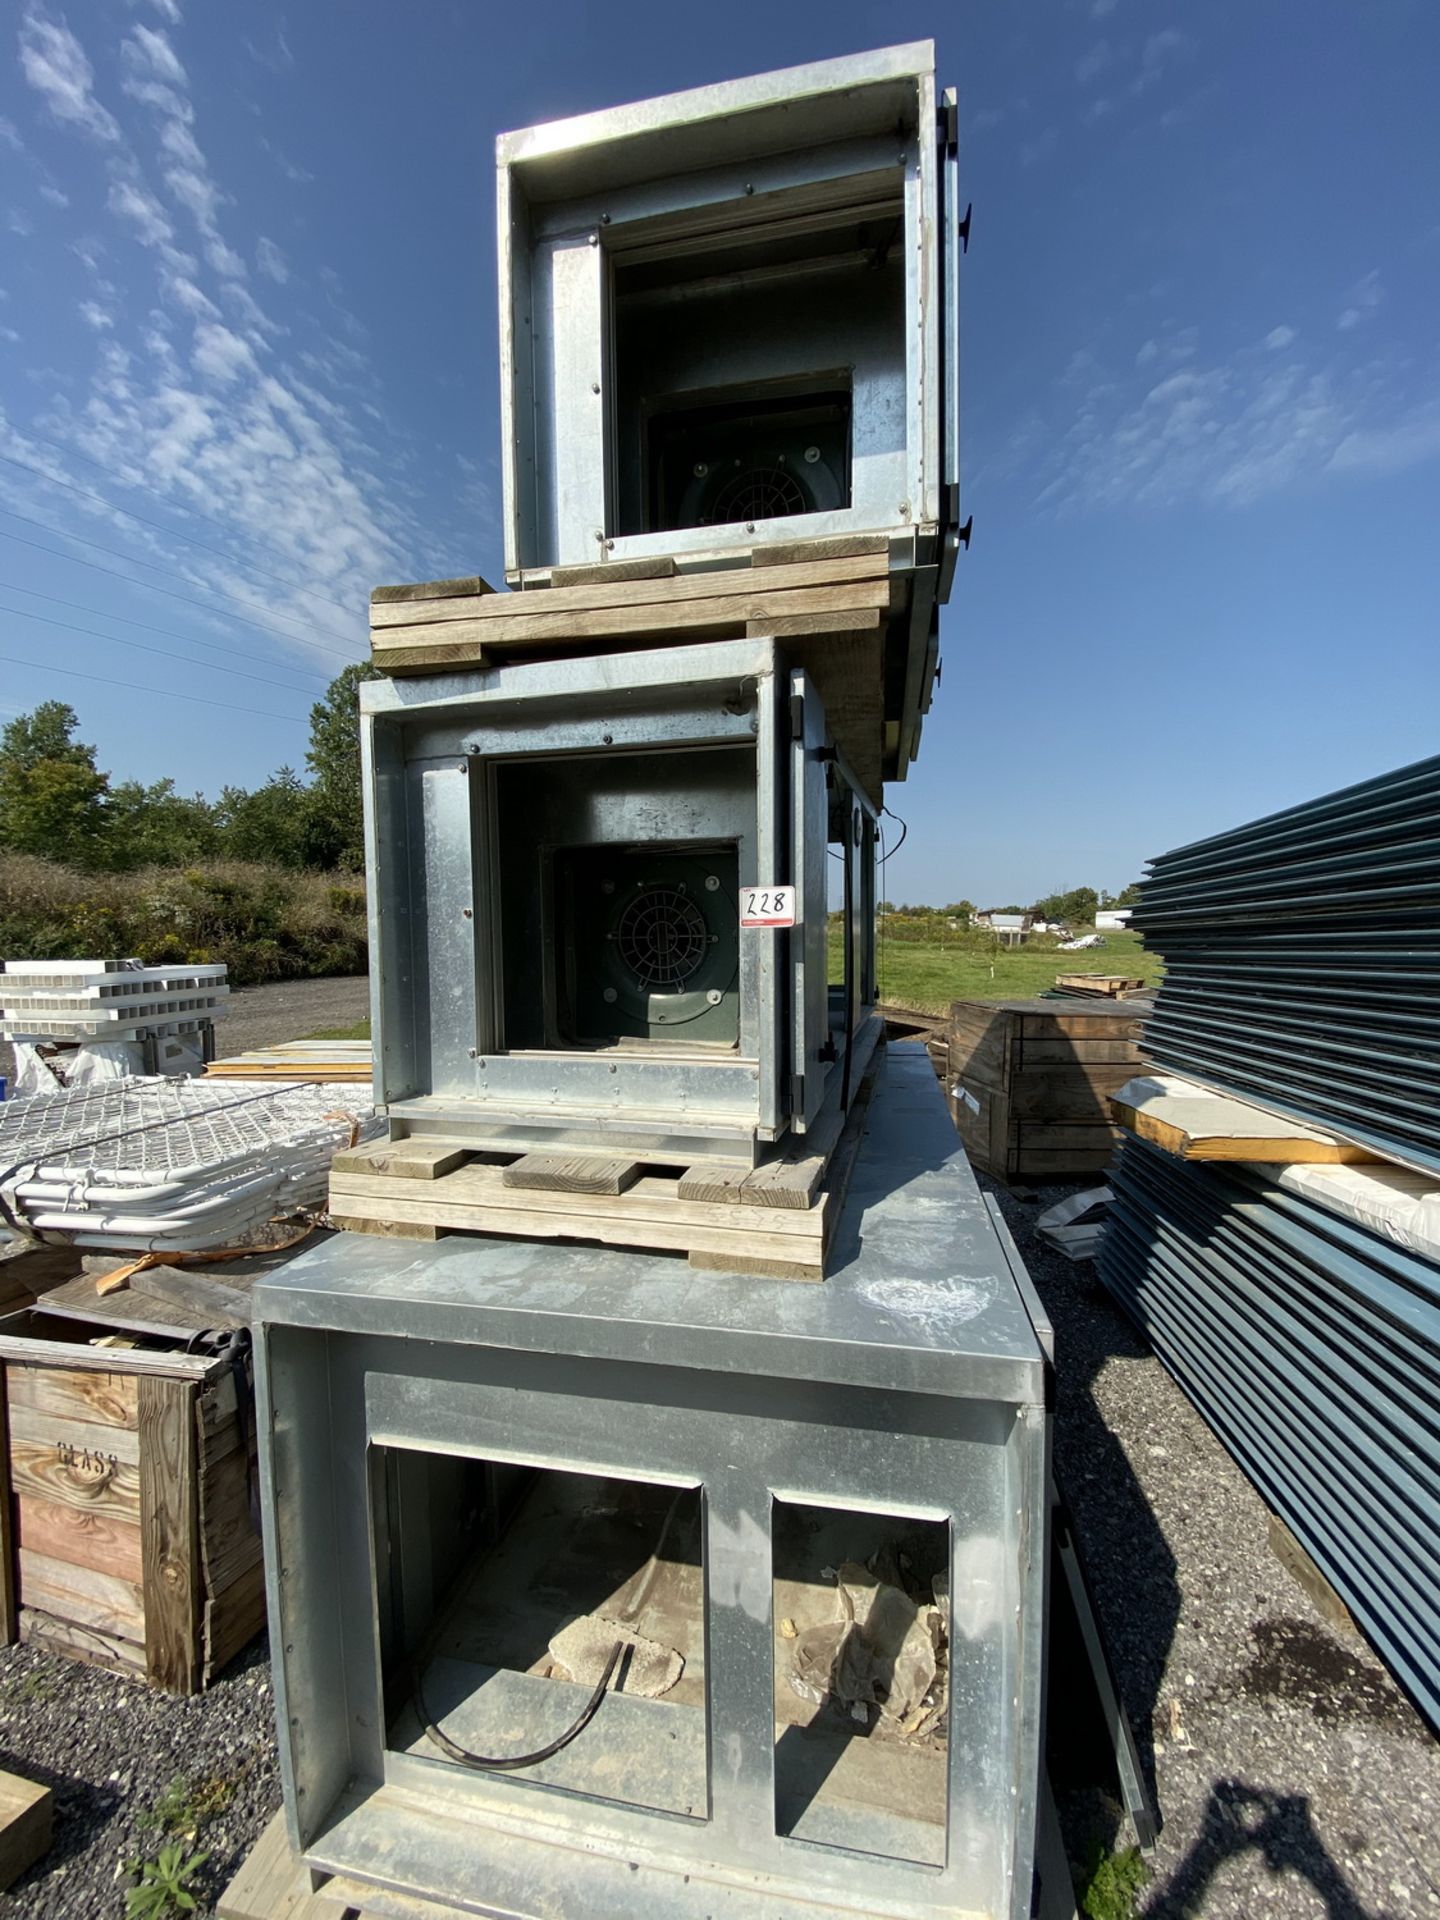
pixel 164 693
pixel 251 619
pixel 165 653
pixel 158 526
pixel 147 626
pixel 510 1763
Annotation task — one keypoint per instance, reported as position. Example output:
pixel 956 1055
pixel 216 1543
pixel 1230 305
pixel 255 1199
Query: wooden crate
pixel 1030 1080
pixel 126 1533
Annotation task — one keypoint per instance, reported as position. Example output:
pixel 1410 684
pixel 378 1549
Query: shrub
pixel 263 922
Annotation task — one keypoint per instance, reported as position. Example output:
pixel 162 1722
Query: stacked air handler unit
pixel 611 1571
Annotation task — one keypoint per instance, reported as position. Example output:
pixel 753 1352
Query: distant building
pixel 1113 919
pixel 1009 928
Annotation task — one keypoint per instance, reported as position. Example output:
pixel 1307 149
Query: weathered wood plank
pixel 26 1817
pixel 75 1642
pixel 98 1540
pixel 571 1173
pixel 60 1346
pixel 417 1159
pixel 40 1473
pixel 82 1595
pixel 105 1399
pixel 714 1182
pixel 385 1229
pixel 79 1436
pixel 8 1621
pixel 469 586
pixel 233 1617
pixel 660 566
pixel 168 1520
pixel 667 592
pixel 211 1301
pixel 651 1200
pixel 825 546
pixel 791 626
pixel 404 646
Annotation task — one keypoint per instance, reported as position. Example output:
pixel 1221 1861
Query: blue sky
pixel 247 354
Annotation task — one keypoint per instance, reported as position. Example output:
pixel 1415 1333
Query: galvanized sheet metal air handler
pixel 557 857
pixel 406 1400
pixel 729 319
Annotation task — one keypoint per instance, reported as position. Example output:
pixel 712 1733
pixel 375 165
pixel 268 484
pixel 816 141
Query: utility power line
pixel 115 640
pixel 75 606
pixel 143 486
pixel 158 526
pixel 251 619
pixel 163 693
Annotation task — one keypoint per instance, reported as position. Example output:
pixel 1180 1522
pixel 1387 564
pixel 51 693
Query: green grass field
pixel 928 978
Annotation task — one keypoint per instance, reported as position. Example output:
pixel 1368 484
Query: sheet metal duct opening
pixel 560 855
pixel 727 316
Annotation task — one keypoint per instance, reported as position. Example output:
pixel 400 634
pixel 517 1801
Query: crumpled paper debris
pixel 882 1650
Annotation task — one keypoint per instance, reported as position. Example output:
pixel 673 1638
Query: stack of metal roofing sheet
pixel 1312 1346
pixel 170 1164
pixel 105 999
pixel 1302 961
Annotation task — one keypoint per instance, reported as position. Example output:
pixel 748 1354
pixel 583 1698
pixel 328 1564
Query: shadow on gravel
pixel 1279 1827
pixel 1129 1569
pixel 81 1810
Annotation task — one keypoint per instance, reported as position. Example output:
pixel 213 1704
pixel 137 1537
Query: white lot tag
pixel 767 906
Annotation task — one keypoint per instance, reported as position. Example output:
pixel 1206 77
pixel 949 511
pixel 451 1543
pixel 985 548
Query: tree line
pixel 1072 907
pixel 56 802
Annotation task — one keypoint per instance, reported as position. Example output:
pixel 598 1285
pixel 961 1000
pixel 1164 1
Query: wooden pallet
pixel 775 1220
pixel 830 600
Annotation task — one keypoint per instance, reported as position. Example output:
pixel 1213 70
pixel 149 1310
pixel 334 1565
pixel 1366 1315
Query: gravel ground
pixel 270 1016
pixel 1292 1775
pixel 110 1750
pixel 290 1010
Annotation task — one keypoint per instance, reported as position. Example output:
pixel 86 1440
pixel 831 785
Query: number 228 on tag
pixel 772 906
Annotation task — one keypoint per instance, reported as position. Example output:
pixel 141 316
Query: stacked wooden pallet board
pixel 1276 1223
pixel 1030 1080
pixel 830 600
pixel 774 1220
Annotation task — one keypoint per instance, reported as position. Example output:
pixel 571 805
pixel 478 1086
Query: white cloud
pixel 221 355
pixel 1033 151
pixel 1160 52
pixel 10 135
pixel 1362 300
pixel 1102 9
pixel 152 49
pixel 135 203
pixel 1098 109
pixel 265 423
pixel 53 196
pixel 18 221
pixel 271 261
pixel 54 63
pixel 1091 65
pixel 1226 431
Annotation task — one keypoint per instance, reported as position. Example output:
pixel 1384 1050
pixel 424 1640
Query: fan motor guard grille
pixel 662 938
